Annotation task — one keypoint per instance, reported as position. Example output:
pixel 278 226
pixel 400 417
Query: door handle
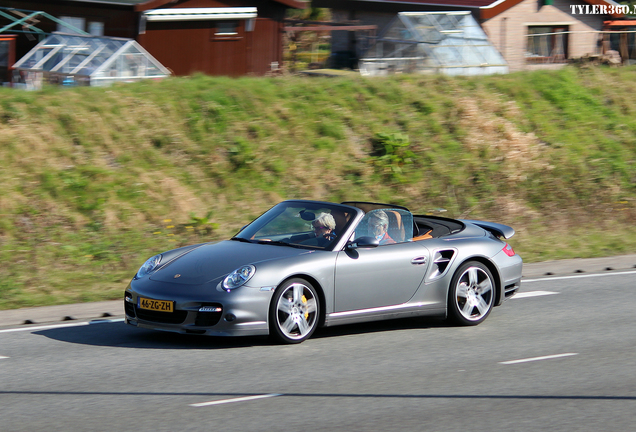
pixel 419 260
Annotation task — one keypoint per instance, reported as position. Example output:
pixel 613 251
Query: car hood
pixel 212 261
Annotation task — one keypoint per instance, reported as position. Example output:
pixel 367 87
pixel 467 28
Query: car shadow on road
pixel 380 326
pixel 117 334
pixel 120 335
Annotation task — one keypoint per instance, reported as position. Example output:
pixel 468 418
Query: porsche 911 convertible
pixel 306 264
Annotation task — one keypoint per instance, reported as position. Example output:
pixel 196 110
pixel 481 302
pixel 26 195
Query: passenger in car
pixel 378 226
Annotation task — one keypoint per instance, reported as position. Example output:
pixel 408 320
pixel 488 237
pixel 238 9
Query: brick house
pixel 530 34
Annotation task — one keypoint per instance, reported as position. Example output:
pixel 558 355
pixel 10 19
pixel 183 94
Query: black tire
pixel 471 295
pixel 294 311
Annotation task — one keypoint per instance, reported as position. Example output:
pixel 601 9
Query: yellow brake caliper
pixel 304 300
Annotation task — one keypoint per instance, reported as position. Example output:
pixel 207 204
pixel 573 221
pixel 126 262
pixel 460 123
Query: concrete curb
pixel 115 308
pixel 579 265
pixel 72 312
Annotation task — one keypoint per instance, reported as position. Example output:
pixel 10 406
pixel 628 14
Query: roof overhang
pixel 110 2
pixel 200 14
pixel 499 6
pixel 487 8
pixel 293 3
pixel 154 4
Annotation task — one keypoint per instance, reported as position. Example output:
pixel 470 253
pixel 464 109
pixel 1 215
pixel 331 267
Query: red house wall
pixel 187 47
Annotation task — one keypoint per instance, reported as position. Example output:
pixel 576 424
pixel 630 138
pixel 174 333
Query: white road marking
pixel 104 320
pixel 533 294
pixel 538 358
pixel 55 326
pixel 46 327
pixel 3 357
pixel 577 276
pixel 242 399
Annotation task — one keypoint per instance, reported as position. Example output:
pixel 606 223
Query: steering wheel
pixel 330 236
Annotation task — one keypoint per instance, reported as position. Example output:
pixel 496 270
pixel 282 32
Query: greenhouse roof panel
pixel 90 56
pixel 425 41
pixel 56 52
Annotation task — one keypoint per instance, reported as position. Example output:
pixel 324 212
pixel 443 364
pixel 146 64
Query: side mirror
pixel 364 242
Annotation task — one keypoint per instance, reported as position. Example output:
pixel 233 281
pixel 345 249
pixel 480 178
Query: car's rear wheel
pixel 471 294
pixel 294 311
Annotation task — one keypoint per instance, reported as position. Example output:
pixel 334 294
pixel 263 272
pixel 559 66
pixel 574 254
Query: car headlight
pixel 239 277
pixel 149 266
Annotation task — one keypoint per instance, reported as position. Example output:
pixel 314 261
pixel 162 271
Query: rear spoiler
pixel 497 229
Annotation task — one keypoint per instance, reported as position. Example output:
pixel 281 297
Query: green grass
pixel 95 180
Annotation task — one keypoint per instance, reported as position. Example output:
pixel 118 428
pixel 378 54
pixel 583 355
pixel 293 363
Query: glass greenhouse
pixel 71 59
pixel 450 43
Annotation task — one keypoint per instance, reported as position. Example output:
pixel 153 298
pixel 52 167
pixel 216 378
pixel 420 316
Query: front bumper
pixel 241 312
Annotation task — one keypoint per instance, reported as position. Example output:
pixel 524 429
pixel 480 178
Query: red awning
pixel 619 23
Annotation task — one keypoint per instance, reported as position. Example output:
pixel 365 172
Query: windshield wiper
pixel 241 239
pixel 269 242
pixel 279 243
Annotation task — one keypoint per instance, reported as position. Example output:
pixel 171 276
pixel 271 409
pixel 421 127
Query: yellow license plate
pixel 156 305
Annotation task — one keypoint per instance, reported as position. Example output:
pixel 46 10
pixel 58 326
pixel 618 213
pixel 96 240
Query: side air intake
pixel 441 261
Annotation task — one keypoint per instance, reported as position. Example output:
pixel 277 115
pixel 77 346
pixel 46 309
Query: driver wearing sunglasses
pixel 324 226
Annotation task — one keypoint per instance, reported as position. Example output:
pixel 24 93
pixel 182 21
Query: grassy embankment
pixel 95 180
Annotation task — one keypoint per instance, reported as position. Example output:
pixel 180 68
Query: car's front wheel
pixel 294 311
pixel 471 294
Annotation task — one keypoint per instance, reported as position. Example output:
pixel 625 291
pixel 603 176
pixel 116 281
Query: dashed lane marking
pixel 532 294
pixel 532 359
pixel 242 399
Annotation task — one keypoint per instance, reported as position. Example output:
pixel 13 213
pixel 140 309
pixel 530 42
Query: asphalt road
pixel 558 357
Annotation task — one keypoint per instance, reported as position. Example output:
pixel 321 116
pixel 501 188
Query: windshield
pixel 301 224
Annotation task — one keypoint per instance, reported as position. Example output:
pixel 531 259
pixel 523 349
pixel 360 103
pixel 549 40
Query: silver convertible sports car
pixel 305 264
